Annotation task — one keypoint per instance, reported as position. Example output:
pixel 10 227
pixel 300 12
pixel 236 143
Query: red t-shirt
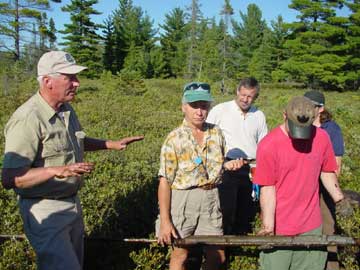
pixel 294 166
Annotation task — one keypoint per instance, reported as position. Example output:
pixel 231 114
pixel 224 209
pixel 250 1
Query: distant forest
pixel 319 50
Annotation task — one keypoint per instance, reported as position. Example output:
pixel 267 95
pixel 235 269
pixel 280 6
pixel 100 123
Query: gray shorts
pixel 195 212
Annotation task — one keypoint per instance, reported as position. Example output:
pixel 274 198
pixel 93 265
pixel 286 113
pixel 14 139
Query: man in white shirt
pixel 243 126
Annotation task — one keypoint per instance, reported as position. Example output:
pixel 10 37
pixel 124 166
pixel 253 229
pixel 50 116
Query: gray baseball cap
pixel 58 62
pixel 300 113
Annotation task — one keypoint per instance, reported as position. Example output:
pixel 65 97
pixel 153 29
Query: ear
pixel 183 107
pixel 284 115
pixel 47 82
pixel 321 109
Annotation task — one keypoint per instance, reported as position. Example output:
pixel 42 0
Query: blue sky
pixel 157 9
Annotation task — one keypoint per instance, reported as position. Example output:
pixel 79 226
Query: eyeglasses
pixel 197 86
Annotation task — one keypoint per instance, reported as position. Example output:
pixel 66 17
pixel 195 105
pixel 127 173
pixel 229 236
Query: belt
pixel 59 198
pixel 208 186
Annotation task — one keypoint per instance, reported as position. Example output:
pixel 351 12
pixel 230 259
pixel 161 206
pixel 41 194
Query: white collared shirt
pixel 241 131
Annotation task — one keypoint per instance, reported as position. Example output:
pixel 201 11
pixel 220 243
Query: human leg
pixel 328 214
pixel 178 258
pixel 246 211
pixel 275 259
pixel 48 225
pixel 228 201
pixel 215 258
pixel 310 258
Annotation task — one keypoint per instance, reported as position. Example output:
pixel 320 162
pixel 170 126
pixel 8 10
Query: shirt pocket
pixel 56 143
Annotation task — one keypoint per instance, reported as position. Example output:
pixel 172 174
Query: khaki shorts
pixel 195 212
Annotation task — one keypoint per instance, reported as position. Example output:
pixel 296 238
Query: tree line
pixel 320 49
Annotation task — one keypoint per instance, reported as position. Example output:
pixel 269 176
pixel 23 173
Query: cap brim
pixel 73 69
pixel 299 132
pixel 193 96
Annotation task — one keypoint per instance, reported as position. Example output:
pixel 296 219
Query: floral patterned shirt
pixel 186 164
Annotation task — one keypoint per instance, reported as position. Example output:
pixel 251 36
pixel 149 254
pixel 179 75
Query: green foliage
pixel 17 255
pixel 81 38
pixel 17 19
pixel 119 198
pixel 152 258
pixel 248 35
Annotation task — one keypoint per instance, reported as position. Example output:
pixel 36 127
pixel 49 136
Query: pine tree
pixel 210 63
pixel 248 36
pixel 52 34
pixel 81 38
pixel 317 45
pixel 109 43
pixel 352 68
pixel 226 12
pixel 17 17
pixel 132 30
pixel 195 17
pixel 173 42
pixel 263 61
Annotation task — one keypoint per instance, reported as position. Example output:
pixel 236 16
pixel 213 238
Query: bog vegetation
pixel 119 198
pixel 133 86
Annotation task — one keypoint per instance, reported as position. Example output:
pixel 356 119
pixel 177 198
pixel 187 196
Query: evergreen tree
pixel 226 12
pixel 195 17
pixel 17 17
pixel 81 38
pixel 263 61
pixel 352 68
pixel 158 68
pixel 210 63
pixel 132 30
pixel 173 42
pixel 109 43
pixel 248 36
pixel 317 45
pixel 52 34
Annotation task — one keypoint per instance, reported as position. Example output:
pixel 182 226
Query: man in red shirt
pixel 289 161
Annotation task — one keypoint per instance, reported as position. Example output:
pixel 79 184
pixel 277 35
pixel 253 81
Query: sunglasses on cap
pixel 197 86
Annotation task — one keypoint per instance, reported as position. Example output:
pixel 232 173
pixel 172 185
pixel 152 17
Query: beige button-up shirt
pixel 37 136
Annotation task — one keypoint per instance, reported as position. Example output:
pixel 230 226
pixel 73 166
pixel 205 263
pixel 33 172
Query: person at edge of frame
pixel 323 119
pixel 289 161
pixel 191 164
pixel 43 164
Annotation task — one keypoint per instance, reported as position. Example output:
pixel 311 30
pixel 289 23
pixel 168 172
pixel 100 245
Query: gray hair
pixel 40 78
pixel 250 83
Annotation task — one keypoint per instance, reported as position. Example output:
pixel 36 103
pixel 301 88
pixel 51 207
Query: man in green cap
pixel 43 163
pixel 289 161
pixel 191 164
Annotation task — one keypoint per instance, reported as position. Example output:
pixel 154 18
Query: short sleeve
pixel 265 169
pixel 337 141
pixel 21 144
pixel 263 130
pixel 329 162
pixel 168 161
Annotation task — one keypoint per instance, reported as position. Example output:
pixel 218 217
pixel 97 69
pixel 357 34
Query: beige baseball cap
pixel 58 62
pixel 300 113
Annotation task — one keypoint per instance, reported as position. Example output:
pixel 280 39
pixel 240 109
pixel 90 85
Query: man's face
pixel 64 87
pixel 245 97
pixel 196 112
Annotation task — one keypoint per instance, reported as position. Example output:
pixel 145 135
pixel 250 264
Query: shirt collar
pixel 47 110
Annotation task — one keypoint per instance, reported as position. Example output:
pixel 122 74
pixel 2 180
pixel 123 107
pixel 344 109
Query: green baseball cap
pixel 300 113
pixel 196 91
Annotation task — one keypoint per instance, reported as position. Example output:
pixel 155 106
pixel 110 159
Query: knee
pixel 215 256
pixel 178 257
